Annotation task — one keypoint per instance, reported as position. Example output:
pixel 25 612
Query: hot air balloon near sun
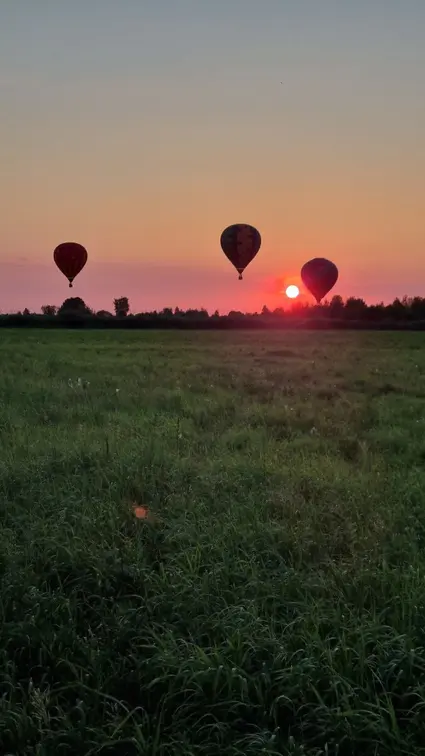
pixel 240 243
pixel 319 276
pixel 70 258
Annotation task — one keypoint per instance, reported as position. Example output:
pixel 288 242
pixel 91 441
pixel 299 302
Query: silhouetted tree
pixel 49 310
pixel 376 312
pixel 201 314
pixel 104 314
pixel 74 306
pixel 301 309
pixel 406 313
pixel 336 307
pixel 398 309
pixel 417 308
pixel 121 307
pixel 355 308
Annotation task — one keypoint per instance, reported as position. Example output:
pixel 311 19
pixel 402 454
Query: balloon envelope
pixel 240 243
pixel 319 276
pixel 70 258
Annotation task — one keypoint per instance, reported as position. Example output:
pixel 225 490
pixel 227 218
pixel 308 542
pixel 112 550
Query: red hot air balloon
pixel 319 276
pixel 70 258
pixel 240 243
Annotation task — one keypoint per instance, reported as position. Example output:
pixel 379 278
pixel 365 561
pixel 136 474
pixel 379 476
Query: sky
pixel 142 128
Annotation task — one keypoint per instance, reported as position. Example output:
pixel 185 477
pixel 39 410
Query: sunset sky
pixel 141 128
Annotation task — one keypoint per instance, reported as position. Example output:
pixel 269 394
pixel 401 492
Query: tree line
pixel 405 313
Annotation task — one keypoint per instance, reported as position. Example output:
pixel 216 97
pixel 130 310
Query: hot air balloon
pixel 319 276
pixel 240 243
pixel 70 258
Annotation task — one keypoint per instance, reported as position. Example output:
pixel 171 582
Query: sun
pixel 292 291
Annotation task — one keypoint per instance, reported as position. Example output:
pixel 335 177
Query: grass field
pixel 274 600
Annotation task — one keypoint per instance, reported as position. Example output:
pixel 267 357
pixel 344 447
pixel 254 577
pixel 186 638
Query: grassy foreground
pixel 275 601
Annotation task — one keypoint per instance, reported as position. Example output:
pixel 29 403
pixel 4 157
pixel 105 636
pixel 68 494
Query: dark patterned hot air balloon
pixel 240 243
pixel 319 276
pixel 70 258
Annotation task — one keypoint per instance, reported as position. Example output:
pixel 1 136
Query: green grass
pixel 276 605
